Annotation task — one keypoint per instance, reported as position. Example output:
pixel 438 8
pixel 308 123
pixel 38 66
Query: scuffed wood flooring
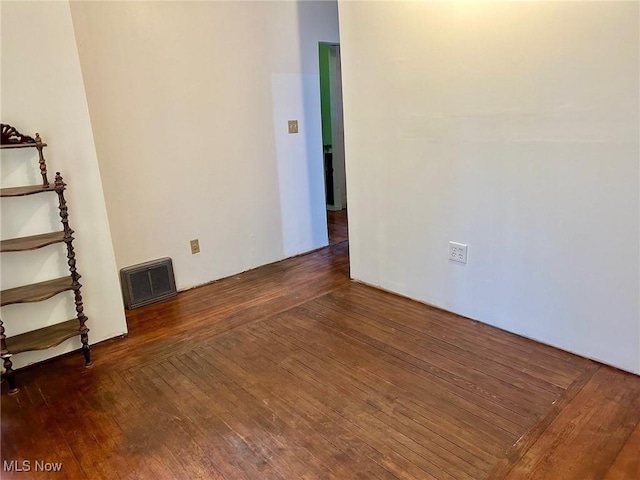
pixel 292 371
pixel 337 226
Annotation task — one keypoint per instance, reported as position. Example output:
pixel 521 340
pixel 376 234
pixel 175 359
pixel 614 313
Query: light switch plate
pixel 293 126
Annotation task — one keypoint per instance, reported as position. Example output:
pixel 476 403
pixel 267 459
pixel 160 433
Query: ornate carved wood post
pixel 9 374
pixel 43 165
pixel 71 260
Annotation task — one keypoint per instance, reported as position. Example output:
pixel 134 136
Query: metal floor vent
pixel 147 283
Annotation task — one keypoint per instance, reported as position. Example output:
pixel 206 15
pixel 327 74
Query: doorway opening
pixel 333 141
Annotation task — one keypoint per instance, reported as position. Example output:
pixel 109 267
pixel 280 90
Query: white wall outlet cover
pixel 458 252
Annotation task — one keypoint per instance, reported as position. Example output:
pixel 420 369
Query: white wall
pixel 42 91
pixel 189 105
pixel 512 127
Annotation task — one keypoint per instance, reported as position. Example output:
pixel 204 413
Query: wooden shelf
pixel 22 145
pixel 26 190
pixel 37 292
pixel 49 336
pixel 31 243
pixel 44 338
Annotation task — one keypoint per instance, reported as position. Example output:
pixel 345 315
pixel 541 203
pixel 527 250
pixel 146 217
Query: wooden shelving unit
pixel 43 338
pixel 31 243
pixel 26 190
pixel 50 335
pixel 37 292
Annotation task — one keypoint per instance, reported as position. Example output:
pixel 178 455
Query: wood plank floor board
pixel 316 451
pixel 232 302
pixel 587 436
pixel 315 368
pixel 334 405
pixel 128 413
pixel 448 424
pixel 292 371
pixel 361 415
pixel 369 414
pixel 150 439
pixel 274 376
pixel 384 405
pixel 427 334
pixel 501 346
pixel 96 424
pixel 95 435
pixel 215 324
pixel 503 416
pixel 264 422
pixel 401 372
pixel 190 429
pixel 337 226
pixel 440 362
pixel 198 422
pixel 425 401
pixel 52 447
pixel 439 462
pixel 422 316
pixel 627 463
pixel 505 464
pixel 259 425
pixel 393 403
pixel 286 402
pixel 212 445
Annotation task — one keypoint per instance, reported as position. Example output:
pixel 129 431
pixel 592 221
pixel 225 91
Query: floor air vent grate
pixel 147 283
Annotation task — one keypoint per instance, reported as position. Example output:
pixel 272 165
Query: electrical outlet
pixel 195 246
pixel 293 126
pixel 458 252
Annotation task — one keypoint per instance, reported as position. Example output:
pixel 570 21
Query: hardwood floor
pixel 292 371
pixel 337 225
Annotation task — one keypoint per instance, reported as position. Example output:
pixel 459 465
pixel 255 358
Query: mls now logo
pixel 26 466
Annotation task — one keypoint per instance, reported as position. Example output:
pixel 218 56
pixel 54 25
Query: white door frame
pixel 337 130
